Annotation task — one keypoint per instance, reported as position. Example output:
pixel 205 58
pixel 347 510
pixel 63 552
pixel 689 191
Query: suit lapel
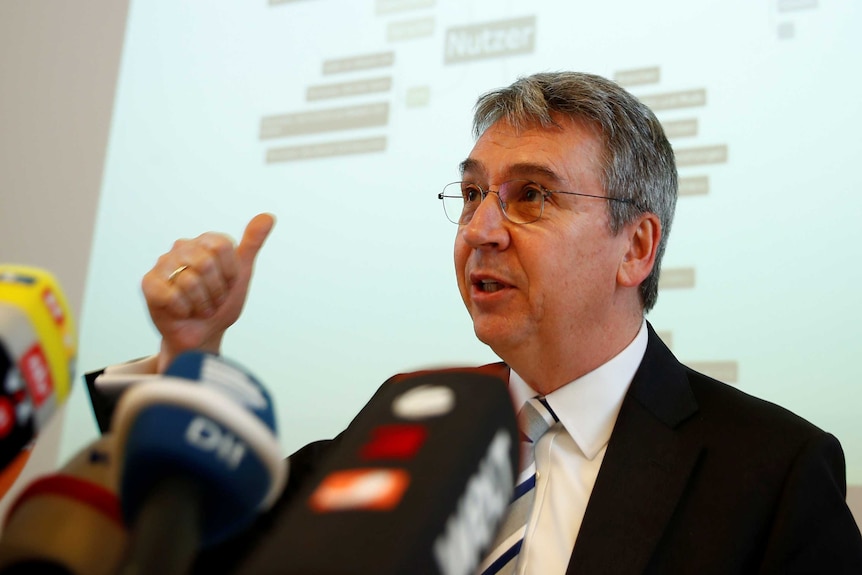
pixel 644 472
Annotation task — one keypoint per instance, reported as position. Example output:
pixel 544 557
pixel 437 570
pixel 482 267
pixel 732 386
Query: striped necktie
pixel 534 419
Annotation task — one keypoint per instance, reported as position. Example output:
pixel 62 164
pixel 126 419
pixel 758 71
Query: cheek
pixel 461 253
pixel 542 288
pixel 557 281
pixel 459 257
pixel 584 280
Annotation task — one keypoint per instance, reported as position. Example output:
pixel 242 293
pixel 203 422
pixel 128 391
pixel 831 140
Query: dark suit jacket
pixel 698 478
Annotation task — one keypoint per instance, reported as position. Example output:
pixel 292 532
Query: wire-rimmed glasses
pixel 522 201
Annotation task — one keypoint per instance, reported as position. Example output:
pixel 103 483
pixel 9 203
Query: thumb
pixel 253 238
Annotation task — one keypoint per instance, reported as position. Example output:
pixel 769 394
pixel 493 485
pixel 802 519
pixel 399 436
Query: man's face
pixel 538 290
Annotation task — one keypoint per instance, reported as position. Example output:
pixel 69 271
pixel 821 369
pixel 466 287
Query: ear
pixel 637 262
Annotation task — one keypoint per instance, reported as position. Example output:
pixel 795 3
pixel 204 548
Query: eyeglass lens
pixel 521 200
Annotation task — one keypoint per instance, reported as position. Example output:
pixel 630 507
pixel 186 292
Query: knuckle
pixel 215 241
pixel 224 248
pixel 147 283
pixel 206 265
pixel 163 260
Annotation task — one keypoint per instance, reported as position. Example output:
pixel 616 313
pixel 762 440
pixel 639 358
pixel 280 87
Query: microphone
pixel 417 483
pixel 199 459
pixel 67 522
pixel 37 351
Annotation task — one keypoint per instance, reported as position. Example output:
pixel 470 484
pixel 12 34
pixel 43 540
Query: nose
pixel 488 227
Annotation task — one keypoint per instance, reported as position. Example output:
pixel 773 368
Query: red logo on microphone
pixel 395 441
pixel 35 371
pixel 53 305
pixel 7 417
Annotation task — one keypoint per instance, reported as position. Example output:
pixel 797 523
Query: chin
pixel 493 332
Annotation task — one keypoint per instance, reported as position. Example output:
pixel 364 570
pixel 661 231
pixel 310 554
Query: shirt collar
pixel 588 406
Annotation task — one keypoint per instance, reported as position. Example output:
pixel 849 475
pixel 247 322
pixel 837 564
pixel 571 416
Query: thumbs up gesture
pixel 197 289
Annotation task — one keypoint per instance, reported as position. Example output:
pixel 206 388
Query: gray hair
pixel 638 160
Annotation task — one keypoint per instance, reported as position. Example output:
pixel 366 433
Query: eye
pixel 471 192
pixel 531 193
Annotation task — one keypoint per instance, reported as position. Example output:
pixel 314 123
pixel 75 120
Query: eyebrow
pixel 524 170
pixel 470 165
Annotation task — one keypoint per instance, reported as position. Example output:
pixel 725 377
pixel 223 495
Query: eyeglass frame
pixel 546 193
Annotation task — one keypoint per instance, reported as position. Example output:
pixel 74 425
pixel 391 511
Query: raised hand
pixel 197 289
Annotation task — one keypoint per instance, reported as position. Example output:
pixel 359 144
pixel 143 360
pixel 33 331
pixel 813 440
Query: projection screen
pixel 345 118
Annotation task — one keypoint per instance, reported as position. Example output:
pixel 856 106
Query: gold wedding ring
pixel 175 273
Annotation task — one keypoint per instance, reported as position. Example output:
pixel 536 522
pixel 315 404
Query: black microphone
pixel 418 483
pixel 68 522
pixel 199 460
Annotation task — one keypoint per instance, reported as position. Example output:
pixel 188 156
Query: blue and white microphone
pixel 199 460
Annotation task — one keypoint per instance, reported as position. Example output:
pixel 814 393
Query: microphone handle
pixel 166 534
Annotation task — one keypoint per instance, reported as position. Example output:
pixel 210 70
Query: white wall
pixel 58 73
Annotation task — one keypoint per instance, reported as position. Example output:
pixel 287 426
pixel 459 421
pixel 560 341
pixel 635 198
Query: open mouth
pixel 489 286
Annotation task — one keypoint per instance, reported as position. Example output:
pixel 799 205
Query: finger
pixel 189 291
pixel 176 285
pixel 253 238
pixel 162 297
pixel 216 263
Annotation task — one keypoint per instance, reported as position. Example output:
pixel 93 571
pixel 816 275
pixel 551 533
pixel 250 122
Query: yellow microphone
pixel 38 346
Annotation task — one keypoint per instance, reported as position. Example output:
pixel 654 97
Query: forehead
pixel 569 152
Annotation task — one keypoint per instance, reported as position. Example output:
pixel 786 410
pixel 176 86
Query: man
pixel 564 209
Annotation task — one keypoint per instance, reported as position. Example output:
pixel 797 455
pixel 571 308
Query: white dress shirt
pixel 569 455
